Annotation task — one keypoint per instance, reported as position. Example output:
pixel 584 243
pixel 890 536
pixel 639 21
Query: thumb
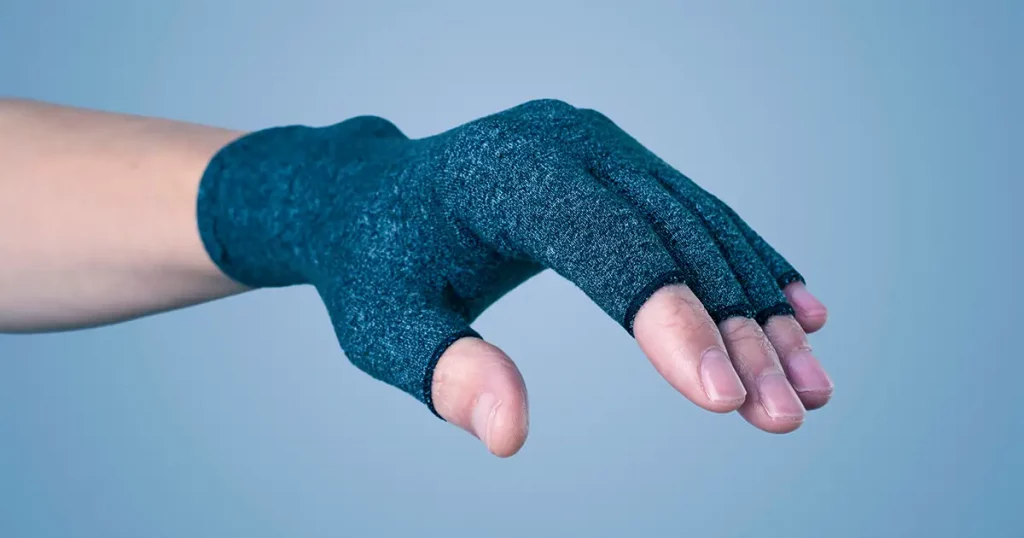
pixel 477 387
pixel 430 352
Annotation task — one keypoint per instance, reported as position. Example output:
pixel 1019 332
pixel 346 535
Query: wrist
pixel 242 204
pixel 265 198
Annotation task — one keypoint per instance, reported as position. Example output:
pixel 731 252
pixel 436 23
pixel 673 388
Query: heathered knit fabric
pixel 408 241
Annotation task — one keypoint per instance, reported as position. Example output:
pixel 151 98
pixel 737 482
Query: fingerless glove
pixel 407 241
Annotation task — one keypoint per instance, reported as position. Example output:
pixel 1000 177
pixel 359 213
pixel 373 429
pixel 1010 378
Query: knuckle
pixel 550 107
pixel 749 345
pixel 501 135
pixel 369 125
pixel 594 116
pixel 742 331
pixel 676 313
pixel 785 331
pixel 551 119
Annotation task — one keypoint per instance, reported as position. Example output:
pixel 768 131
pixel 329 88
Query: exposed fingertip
pixel 815 399
pixel 809 379
pixel 681 340
pixel 782 426
pixel 478 388
pixel 780 401
pixel 482 416
pixel 774 411
pixel 507 429
pixel 721 383
pixel 810 312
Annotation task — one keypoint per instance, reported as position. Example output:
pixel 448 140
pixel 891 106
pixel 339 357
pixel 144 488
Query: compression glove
pixel 408 241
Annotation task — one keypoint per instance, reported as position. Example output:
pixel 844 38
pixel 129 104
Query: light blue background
pixel 878 145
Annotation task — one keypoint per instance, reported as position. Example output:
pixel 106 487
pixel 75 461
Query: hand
pixel 408 241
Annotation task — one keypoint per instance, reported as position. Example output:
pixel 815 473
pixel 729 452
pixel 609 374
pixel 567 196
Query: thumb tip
pixel 477 387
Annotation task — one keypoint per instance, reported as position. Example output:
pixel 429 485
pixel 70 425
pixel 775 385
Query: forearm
pixel 97 216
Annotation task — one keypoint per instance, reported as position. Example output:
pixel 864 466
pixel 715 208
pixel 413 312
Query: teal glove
pixel 408 241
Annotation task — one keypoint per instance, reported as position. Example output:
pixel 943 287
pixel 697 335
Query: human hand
pixel 408 241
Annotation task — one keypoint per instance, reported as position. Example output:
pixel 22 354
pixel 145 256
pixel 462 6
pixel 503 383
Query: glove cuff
pixel 246 210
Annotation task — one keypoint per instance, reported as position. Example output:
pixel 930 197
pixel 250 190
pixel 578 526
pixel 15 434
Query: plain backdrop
pixel 876 144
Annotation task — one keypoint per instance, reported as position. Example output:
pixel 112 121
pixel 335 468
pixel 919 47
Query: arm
pixel 97 212
pixel 106 217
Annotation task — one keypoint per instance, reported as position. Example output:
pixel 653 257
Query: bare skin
pixel 104 206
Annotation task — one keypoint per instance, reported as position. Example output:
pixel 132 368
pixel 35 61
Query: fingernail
pixel 806 373
pixel 721 384
pixel 485 409
pixel 779 399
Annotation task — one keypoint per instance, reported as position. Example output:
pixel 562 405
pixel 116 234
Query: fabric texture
pixel 407 241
